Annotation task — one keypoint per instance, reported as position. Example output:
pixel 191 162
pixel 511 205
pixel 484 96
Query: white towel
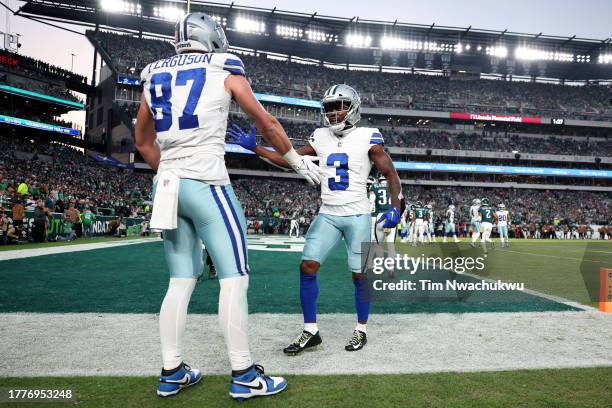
pixel 165 202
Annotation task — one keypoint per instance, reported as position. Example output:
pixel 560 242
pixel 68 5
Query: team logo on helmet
pixel 340 108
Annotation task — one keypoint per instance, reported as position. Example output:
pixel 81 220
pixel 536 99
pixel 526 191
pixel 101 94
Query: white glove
pixel 305 166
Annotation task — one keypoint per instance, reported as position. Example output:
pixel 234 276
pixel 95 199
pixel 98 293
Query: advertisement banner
pixel 495 118
pixel 100 226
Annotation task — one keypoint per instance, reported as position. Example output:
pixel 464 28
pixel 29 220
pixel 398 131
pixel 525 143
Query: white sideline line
pixel 553 298
pixel 94 344
pixel 28 253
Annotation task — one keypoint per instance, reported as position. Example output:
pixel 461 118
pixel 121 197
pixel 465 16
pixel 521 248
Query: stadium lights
pixel 459 48
pixel 320 36
pixel 358 41
pixel 530 54
pixel 468 47
pixel 392 43
pixel 605 59
pixel 220 20
pixel 500 51
pixel 168 13
pixel 118 6
pixel 247 25
pixel 583 58
pixel 289 32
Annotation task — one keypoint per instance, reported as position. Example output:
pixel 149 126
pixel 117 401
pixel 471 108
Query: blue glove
pixel 242 139
pixel 391 217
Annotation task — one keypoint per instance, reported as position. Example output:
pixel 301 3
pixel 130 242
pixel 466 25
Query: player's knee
pixel 309 267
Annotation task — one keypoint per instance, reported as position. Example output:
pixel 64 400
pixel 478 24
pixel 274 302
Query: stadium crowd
pixel 440 139
pixel 409 91
pixel 35 68
pixel 66 180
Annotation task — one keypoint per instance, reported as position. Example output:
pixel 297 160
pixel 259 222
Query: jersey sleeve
pixel 312 140
pixel 232 64
pixel 376 138
pixel 144 75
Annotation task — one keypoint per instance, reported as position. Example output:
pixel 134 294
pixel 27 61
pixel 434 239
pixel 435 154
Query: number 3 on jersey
pixel 340 162
pixel 163 102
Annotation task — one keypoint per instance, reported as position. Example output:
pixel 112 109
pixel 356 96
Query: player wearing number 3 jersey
pixel 180 132
pixel 346 154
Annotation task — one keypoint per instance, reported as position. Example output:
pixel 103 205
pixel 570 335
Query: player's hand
pixel 306 168
pixel 241 138
pixel 391 217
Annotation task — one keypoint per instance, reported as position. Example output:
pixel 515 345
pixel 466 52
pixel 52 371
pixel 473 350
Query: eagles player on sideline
pixel 475 221
pixel 180 132
pixel 346 154
pixel 382 203
pixel 488 218
pixel 449 223
pixel 418 218
pixel 503 219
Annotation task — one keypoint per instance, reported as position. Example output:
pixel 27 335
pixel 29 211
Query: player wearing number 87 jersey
pixel 346 154
pixel 180 132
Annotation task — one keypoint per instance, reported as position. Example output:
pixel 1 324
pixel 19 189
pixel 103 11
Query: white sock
pixel 311 328
pixel 172 318
pixel 361 327
pixel 234 319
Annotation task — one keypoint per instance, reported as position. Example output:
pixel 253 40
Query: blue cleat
pixel 254 383
pixel 184 377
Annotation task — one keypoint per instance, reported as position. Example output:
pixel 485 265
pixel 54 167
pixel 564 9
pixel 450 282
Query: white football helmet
pixel 501 206
pixel 476 201
pixel 337 99
pixel 451 207
pixel 199 32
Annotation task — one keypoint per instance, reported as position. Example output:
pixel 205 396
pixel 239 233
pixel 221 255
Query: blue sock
pixel 309 292
pixel 362 299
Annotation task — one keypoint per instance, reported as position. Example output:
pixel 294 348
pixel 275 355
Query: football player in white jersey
pixel 503 219
pixel 449 223
pixel 429 224
pixel 475 219
pixel 294 226
pixel 180 132
pixel 346 153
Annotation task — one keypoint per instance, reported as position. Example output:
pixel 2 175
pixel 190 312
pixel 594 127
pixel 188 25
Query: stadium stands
pixel 408 91
pixel 63 175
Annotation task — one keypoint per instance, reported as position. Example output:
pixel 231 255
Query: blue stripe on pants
pixel 239 225
pixel 229 229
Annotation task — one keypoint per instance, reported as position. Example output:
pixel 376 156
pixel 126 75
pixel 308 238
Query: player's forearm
pixel 150 153
pixel 395 187
pixel 274 134
pixel 271 156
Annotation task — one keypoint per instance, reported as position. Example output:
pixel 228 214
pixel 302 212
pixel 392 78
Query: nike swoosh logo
pixel 182 381
pixel 259 387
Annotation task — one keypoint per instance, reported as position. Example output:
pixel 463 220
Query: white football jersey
pixel 346 164
pixel 450 215
pixel 187 97
pixel 474 213
pixel 502 218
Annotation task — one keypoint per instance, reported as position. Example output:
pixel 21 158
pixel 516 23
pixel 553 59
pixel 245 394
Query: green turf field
pixel 589 387
pixel 64 243
pixel 133 279
pixel 82 290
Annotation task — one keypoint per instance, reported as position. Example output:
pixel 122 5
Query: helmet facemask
pixel 336 114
